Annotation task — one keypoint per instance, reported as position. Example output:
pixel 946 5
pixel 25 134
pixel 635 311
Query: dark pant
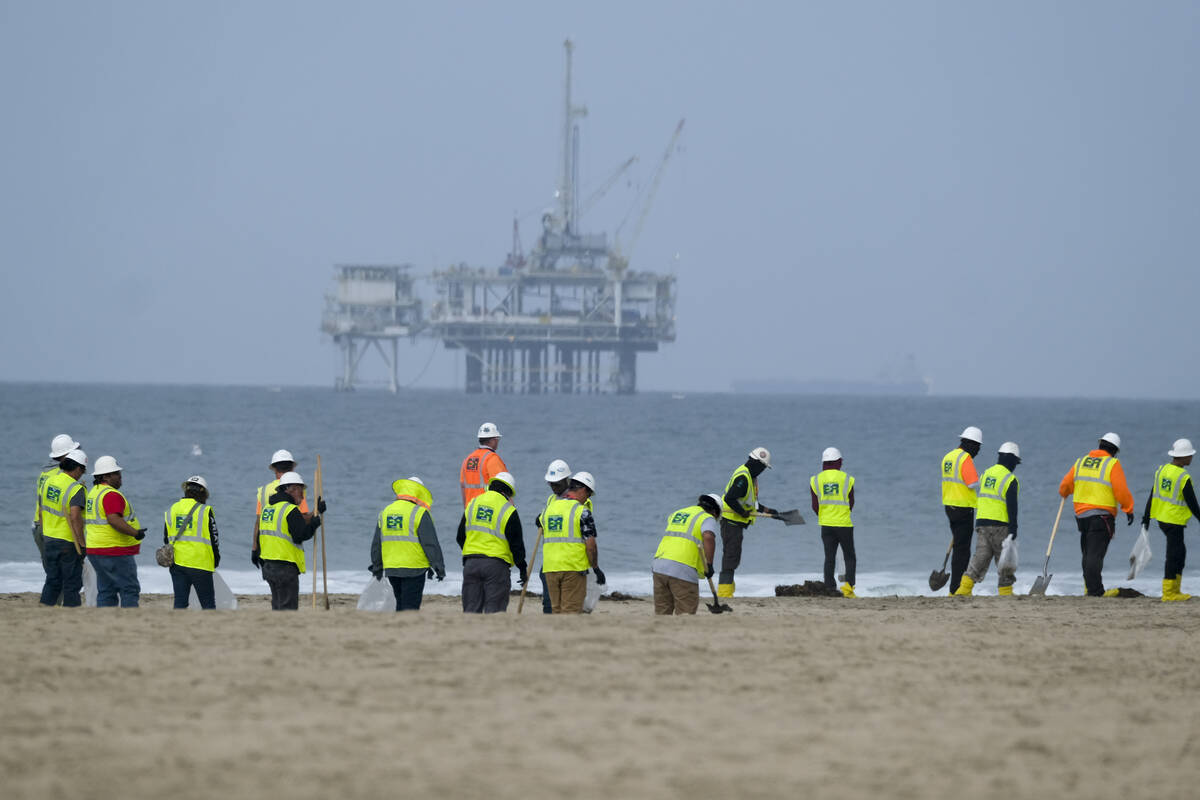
pixel 116 578
pixel 486 585
pixel 64 572
pixel 731 549
pixel 1176 550
pixel 832 538
pixel 546 607
pixel 184 578
pixel 408 591
pixel 284 579
pixel 962 526
pixel 1094 535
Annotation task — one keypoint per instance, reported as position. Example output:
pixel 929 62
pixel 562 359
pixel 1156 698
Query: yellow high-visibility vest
pixel 399 546
pixel 97 532
pixel 832 488
pixel 1093 481
pixel 188 532
pixel 1167 503
pixel 563 549
pixel 748 500
pixel 993 489
pixel 275 541
pixel 955 491
pixel 486 517
pixel 684 537
pixel 56 505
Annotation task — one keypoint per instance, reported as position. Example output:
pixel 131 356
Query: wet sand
pixel 890 698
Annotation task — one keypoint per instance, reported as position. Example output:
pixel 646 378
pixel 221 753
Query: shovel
pixel 938 578
pixel 786 517
pixel 716 606
pixel 1042 581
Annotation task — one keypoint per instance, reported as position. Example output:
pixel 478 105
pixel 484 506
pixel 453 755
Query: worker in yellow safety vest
pixel 282 532
pixel 282 462
pixel 569 545
pixel 490 537
pixel 62 500
pixel 831 492
pixel 481 464
pixel 1097 482
pixel 59 447
pixel 1172 502
pixel 995 523
pixel 684 554
pixel 405 545
pixel 739 507
pixel 959 484
pixel 114 537
pixel 190 527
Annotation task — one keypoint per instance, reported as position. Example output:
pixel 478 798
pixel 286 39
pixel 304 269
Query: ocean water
pixel 650 453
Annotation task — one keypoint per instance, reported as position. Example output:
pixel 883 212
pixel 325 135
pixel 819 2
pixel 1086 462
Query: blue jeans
pixel 64 572
pixel 408 592
pixel 184 578
pixel 116 576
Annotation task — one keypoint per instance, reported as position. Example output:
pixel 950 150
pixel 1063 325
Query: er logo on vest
pixel 473 463
pixel 990 482
pixel 268 514
pixel 680 518
pixel 829 488
pixel 947 466
pixel 1091 462
pixel 1165 485
pixel 53 493
pixel 483 515
pixel 395 522
pixel 555 523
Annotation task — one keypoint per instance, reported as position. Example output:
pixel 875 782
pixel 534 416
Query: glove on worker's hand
pixel 770 512
pixel 320 505
pixel 254 559
pixel 1128 517
pixel 708 570
pixel 441 576
pixel 599 576
pixel 141 534
pixel 429 574
pixel 523 576
pixel 377 574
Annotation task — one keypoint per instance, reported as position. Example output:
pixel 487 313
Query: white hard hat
pixel 1112 439
pixel 61 445
pixel 415 479
pixel 291 479
pixel 762 454
pixel 196 479
pixel 831 454
pixel 78 456
pixel 972 434
pixel 1010 447
pixel 586 479
pixel 716 498
pixel 557 470
pixel 507 479
pixel 488 430
pixel 1182 449
pixel 282 455
pixel 105 465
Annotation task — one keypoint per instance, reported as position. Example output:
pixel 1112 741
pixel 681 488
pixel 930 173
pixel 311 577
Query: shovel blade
pixel 938 579
pixel 1039 584
pixel 718 608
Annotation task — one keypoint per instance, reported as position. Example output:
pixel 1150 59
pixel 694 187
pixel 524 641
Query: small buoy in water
pixel 196 451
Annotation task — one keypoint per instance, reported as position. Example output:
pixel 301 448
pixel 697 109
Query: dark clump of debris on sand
pixel 806 589
pixel 620 597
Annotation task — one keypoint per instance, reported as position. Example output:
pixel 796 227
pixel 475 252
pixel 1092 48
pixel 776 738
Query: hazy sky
pixel 1008 191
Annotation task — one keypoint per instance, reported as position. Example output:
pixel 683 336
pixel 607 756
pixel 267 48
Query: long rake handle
pixel 324 569
pixel 529 571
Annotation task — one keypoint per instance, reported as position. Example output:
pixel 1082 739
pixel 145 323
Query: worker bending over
pixel 490 537
pixel 832 496
pixel 1172 502
pixel 739 506
pixel 684 554
pixel 1098 483
pixel 996 521
pixel 959 483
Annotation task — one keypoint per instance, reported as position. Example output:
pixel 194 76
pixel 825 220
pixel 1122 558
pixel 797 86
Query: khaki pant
pixel 566 590
pixel 988 540
pixel 675 595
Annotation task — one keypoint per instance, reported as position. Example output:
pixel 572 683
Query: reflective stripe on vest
pixel 37 500
pixel 1167 503
pixel 993 491
pixel 563 549
pixel 275 537
pixel 97 532
pixel 192 542
pixel 955 491
pixel 684 537
pixel 265 492
pixel 748 500
pixel 486 517
pixel 1093 481
pixel 832 488
pixel 56 502
pixel 400 548
pixel 471 477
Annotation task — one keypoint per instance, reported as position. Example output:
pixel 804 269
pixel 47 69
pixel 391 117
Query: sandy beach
pixel 900 697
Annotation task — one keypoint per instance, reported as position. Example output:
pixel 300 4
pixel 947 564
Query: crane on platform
pixel 620 259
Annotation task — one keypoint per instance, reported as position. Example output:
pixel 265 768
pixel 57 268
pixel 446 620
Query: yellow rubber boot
pixel 848 590
pixel 1005 591
pixel 1111 592
pixel 1168 590
pixel 1179 595
pixel 725 589
pixel 965 586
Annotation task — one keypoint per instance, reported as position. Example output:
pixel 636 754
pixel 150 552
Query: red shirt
pixel 114 503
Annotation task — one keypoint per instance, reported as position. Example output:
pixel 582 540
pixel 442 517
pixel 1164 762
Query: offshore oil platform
pixel 569 318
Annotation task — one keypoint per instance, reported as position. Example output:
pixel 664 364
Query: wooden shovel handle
pixel 529 571
pixel 1054 530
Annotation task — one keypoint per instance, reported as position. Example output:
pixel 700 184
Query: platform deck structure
pixel 372 307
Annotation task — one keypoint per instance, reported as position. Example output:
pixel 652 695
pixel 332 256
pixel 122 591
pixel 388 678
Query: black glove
pixel 708 570
pixel 441 576
pixel 377 574
pixel 523 576
pixel 141 534
pixel 770 512
pixel 82 551
pixel 1128 517
pixel 429 574
pixel 216 560
pixel 320 505
pixel 254 559
pixel 599 576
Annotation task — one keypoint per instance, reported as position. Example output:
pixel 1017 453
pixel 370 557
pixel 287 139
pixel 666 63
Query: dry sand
pixel 785 697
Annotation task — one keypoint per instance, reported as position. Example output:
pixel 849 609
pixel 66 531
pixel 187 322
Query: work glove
pixel 377 574
pixel 599 576
pixel 1128 517
pixel 254 559
pixel 523 576
pixel 441 576
pixel 320 505
pixel 429 574
pixel 770 512
pixel 141 534
pixel 82 552
pixel 708 570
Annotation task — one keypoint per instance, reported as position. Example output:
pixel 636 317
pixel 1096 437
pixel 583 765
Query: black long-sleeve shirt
pixel 1189 497
pixel 513 532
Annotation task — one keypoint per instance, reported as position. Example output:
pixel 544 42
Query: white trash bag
pixel 377 596
pixel 1140 556
pixel 223 598
pixel 89 584
pixel 1008 556
pixel 594 590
